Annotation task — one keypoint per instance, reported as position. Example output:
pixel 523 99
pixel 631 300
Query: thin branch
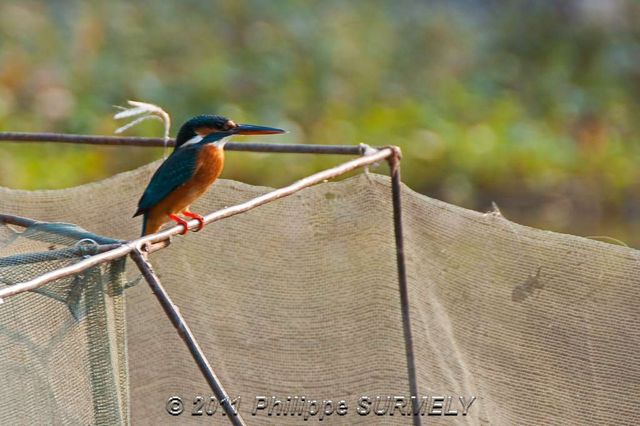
pixel 159 142
pixel 127 248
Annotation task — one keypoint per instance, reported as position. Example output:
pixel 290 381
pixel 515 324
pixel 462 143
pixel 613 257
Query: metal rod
pixel 159 142
pixel 189 339
pixel 394 165
pixel 82 139
pixel 17 220
pixel 65 229
pixel 128 247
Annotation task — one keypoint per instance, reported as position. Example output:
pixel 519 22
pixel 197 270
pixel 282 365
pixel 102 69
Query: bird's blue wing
pixel 176 170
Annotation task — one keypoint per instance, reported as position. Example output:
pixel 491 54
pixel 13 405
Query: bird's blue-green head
pixel 216 129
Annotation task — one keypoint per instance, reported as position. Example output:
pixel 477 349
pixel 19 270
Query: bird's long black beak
pixel 250 129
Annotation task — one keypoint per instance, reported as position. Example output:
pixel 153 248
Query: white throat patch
pixel 222 142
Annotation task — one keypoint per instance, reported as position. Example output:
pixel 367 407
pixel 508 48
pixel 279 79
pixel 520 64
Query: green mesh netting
pixel 62 347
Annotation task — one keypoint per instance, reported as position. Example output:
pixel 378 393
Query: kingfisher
pixel 195 163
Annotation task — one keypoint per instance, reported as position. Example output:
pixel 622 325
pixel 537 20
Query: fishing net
pixel 62 347
pixel 300 298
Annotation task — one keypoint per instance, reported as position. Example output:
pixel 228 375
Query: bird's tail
pixel 144 224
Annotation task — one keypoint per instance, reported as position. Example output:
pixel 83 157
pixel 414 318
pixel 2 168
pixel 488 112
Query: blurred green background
pixel 531 104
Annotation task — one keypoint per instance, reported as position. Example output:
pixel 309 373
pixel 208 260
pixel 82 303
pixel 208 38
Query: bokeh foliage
pixel 532 104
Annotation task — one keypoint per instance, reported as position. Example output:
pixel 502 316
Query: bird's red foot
pixel 197 217
pixel 180 221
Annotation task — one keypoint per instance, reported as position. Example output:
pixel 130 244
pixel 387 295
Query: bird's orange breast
pixel 209 165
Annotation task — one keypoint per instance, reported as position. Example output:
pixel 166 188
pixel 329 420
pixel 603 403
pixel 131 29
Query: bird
pixel 195 163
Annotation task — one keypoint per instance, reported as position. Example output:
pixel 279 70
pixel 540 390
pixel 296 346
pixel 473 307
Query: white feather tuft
pixel 148 111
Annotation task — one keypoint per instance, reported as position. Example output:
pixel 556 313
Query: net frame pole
pixel 394 168
pixel 187 336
